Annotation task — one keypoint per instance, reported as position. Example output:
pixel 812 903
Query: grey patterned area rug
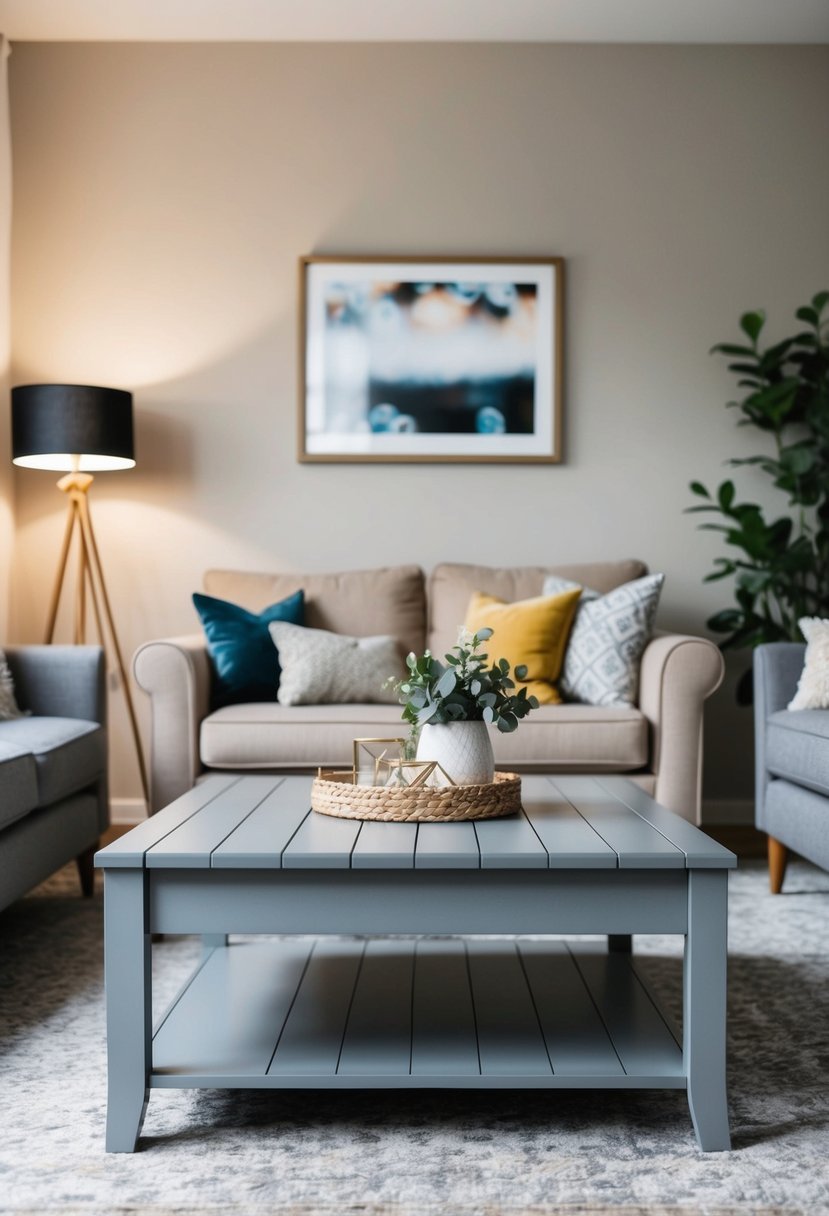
pixel 458 1154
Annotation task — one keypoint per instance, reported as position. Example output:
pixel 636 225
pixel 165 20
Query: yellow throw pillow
pixel 533 632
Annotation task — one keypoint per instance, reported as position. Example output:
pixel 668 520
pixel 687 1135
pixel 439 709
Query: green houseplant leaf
pixel 779 567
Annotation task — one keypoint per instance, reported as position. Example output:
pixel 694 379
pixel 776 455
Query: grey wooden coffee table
pixel 244 855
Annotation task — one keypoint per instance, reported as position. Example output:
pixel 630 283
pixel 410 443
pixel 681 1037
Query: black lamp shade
pixel 72 428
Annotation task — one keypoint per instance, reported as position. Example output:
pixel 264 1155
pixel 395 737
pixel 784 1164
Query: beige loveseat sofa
pixel 658 743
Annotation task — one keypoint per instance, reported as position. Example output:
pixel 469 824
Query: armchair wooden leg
pixel 86 870
pixel 778 859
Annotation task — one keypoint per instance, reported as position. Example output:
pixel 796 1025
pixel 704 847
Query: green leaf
pixel 696 487
pixel 488 715
pixel 728 348
pixel 725 495
pixel 723 622
pixel 820 301
pixel 446 684
pixel 484 634
pixel 521 671
pixel 751 323
pixel 807 314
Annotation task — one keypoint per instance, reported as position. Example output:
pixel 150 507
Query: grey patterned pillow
pixel 8 703
pixel 609 634
pixel 322 668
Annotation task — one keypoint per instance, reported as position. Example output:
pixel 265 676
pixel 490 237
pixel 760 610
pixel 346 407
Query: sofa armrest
pixel 60 681
pixel 175 672
pixel 777 668
pixel 677 674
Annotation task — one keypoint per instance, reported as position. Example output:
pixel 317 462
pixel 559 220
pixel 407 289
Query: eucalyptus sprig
pixel 464 688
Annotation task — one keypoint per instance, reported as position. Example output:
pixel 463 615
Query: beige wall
pixel 163 193
pixel 6 483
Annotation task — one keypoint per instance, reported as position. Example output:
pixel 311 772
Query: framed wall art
pixel 431 359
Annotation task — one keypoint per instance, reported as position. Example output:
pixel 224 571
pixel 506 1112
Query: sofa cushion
pixel 451 585
pixel 69 753
pixel 323 668
pixel 8 702
pixel 609 635
pixel 244 658
pixel 362 603
pixel 572 737
pixel 18 783
pixel 797 747
pixel 527 633
pixel 813 685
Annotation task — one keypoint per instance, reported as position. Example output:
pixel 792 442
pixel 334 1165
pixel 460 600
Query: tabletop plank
pixel 190 845
pixel 510 844
pixel 322 843
pixel 569 840
pixel 637 844
pixel 385 846
pixel 700 850
pixel 259 841
pixel 129 850
pixel 447 846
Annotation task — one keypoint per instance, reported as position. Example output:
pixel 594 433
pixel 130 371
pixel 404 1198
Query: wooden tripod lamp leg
pixel 96 571
pixel 71 518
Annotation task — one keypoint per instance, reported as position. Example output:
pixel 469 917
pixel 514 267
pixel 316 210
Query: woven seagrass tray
pixel 401 804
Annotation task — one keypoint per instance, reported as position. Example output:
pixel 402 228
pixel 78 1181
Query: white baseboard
pixel 727 811
pixel 128 811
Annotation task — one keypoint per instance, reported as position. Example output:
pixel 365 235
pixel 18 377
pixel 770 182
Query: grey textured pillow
pixel 322 668
pixel 8 703
pixel 609 634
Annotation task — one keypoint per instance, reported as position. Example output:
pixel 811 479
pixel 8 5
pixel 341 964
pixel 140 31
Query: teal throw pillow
pixel 245 660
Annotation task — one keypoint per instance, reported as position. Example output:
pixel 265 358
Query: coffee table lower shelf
pixel 415 1014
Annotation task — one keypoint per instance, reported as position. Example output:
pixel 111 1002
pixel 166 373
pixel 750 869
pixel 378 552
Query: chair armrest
pixel 60 681
pixel 777 668
pixel 676 676
pixel 175 672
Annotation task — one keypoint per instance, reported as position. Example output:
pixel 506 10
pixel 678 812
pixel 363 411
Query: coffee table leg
pixel 128 977
pixel 619 943
pixel 705 1007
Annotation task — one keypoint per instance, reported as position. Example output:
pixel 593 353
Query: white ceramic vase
pixel 462 749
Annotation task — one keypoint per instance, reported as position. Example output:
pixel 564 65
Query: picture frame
pixel 406 359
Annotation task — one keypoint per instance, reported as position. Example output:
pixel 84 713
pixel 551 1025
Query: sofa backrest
pixel 452 583
pixel 361 603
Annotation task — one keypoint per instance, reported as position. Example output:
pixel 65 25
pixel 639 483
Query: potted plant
pixel 450 706
pixel 780 567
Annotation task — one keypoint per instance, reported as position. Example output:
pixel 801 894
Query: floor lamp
pixel 78 429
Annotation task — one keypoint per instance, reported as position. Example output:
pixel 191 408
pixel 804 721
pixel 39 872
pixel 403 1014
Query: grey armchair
pixel 53 766
pixel 792 763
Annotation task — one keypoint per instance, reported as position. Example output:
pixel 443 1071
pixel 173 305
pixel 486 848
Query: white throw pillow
pixel 609 634
pixel 8 703
pixel 322 668
pixel 813 685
